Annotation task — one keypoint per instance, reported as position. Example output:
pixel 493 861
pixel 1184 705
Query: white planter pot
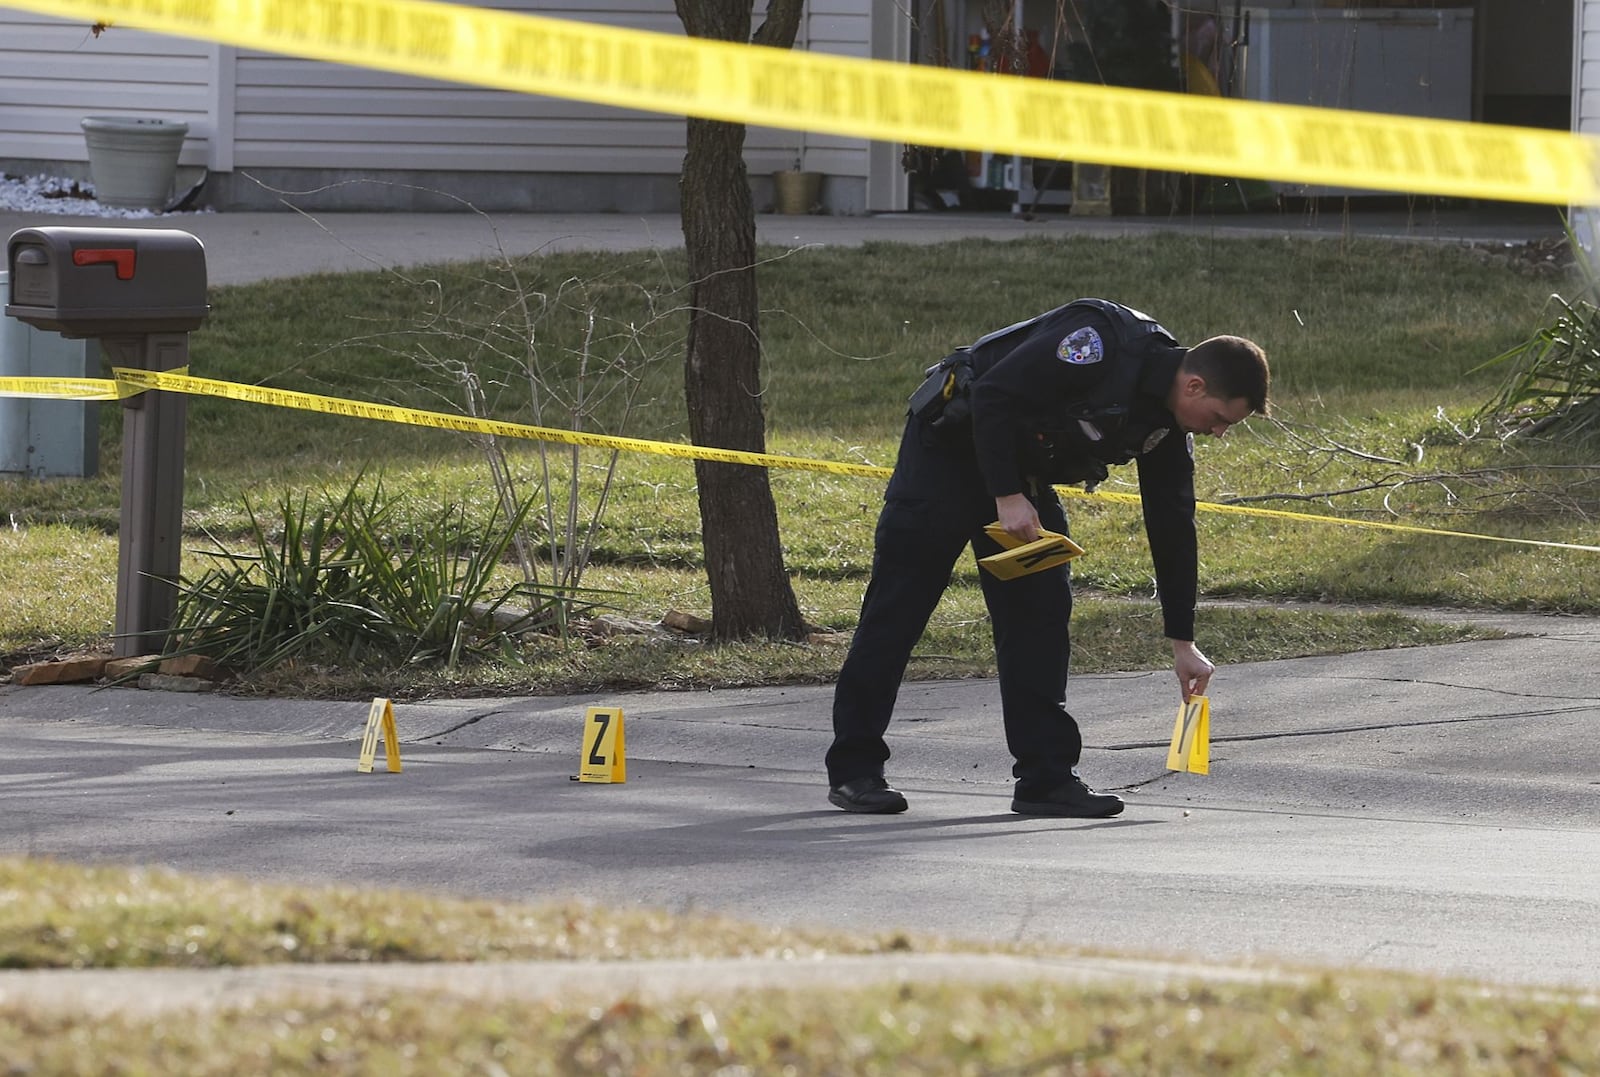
pixel 133 160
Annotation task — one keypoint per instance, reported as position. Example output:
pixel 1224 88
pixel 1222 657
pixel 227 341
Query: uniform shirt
pixel 1023 383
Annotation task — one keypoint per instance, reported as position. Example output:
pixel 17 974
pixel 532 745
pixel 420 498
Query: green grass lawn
pixel 54 915
pixel 1374 347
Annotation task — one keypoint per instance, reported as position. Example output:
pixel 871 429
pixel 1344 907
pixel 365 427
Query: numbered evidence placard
pixel 380 716
pixel 1020 559
pixel 1191 737
pixel 604 751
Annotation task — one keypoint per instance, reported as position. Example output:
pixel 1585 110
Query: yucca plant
pixel 1553 386
pixel 337 584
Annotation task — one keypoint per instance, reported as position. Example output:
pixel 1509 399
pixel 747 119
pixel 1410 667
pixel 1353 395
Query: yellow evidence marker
pixel 1191 737
pixel 604 753
pixel 380 713
pixel 1021 558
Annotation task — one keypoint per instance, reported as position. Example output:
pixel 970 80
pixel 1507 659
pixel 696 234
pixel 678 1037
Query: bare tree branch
pixel 782 24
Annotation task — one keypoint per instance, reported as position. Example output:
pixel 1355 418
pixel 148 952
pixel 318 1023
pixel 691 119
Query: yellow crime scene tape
pixel 912 103
pixel 1377 525
pixel 917 104
pixel 441 420
pixel 63 388
pixel 128 382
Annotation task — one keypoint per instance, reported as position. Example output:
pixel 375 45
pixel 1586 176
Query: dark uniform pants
pixel 935 507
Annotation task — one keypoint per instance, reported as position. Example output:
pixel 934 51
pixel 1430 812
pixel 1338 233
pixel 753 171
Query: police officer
pixel 1055 399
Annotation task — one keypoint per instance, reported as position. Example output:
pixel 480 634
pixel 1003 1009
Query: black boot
pixel 872 796
pixel 1071 798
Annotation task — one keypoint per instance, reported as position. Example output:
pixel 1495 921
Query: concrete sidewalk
pixel 244 247
pixel 149 993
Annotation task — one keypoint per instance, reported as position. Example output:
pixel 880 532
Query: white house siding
pixel 297 113
pixel 261 120
pixel 53 73
pixel 839 28
pixel 1586 68
pixel 1586 103
pixel 292 113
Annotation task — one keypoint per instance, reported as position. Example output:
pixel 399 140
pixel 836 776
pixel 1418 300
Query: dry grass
pixel 1330 1023
pixel 55 915
pixel 1333 1026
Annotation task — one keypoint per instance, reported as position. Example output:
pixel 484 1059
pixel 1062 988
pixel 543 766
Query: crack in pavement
pixel 1463 687
pixel 1144 781
pixel 474 720
pixel 1287 734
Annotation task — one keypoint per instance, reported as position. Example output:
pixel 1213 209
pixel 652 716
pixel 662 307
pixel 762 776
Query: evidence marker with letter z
pixel 604 752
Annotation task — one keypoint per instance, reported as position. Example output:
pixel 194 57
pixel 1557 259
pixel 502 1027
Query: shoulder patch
pixel 1154 439
pixel 1081 346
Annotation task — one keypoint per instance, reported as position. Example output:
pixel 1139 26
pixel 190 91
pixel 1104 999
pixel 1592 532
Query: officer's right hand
pixel 1018 516
pixel 1193 668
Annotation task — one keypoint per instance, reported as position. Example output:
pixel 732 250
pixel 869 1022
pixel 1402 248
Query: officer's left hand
pixel 1194 669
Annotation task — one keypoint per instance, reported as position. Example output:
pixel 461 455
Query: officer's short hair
pixel 1232 367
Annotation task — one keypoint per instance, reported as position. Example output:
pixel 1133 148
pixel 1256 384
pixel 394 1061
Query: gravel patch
pixel 64 197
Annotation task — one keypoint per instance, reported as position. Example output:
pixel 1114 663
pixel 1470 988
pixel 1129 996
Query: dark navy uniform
pixel 1055 399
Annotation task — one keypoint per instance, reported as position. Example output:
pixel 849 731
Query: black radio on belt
pixel 942 400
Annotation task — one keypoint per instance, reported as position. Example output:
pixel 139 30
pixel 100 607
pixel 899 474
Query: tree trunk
pixel 750 590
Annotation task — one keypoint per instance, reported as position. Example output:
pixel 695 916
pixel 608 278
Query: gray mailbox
pixel 139 292
pixel 95 282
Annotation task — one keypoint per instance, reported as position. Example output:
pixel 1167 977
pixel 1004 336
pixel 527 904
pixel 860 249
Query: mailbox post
pixel 139 292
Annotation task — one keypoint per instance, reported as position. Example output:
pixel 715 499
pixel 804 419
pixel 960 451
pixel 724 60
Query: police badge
pixel 1081 347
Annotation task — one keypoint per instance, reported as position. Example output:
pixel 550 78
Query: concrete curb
pixel 150 992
